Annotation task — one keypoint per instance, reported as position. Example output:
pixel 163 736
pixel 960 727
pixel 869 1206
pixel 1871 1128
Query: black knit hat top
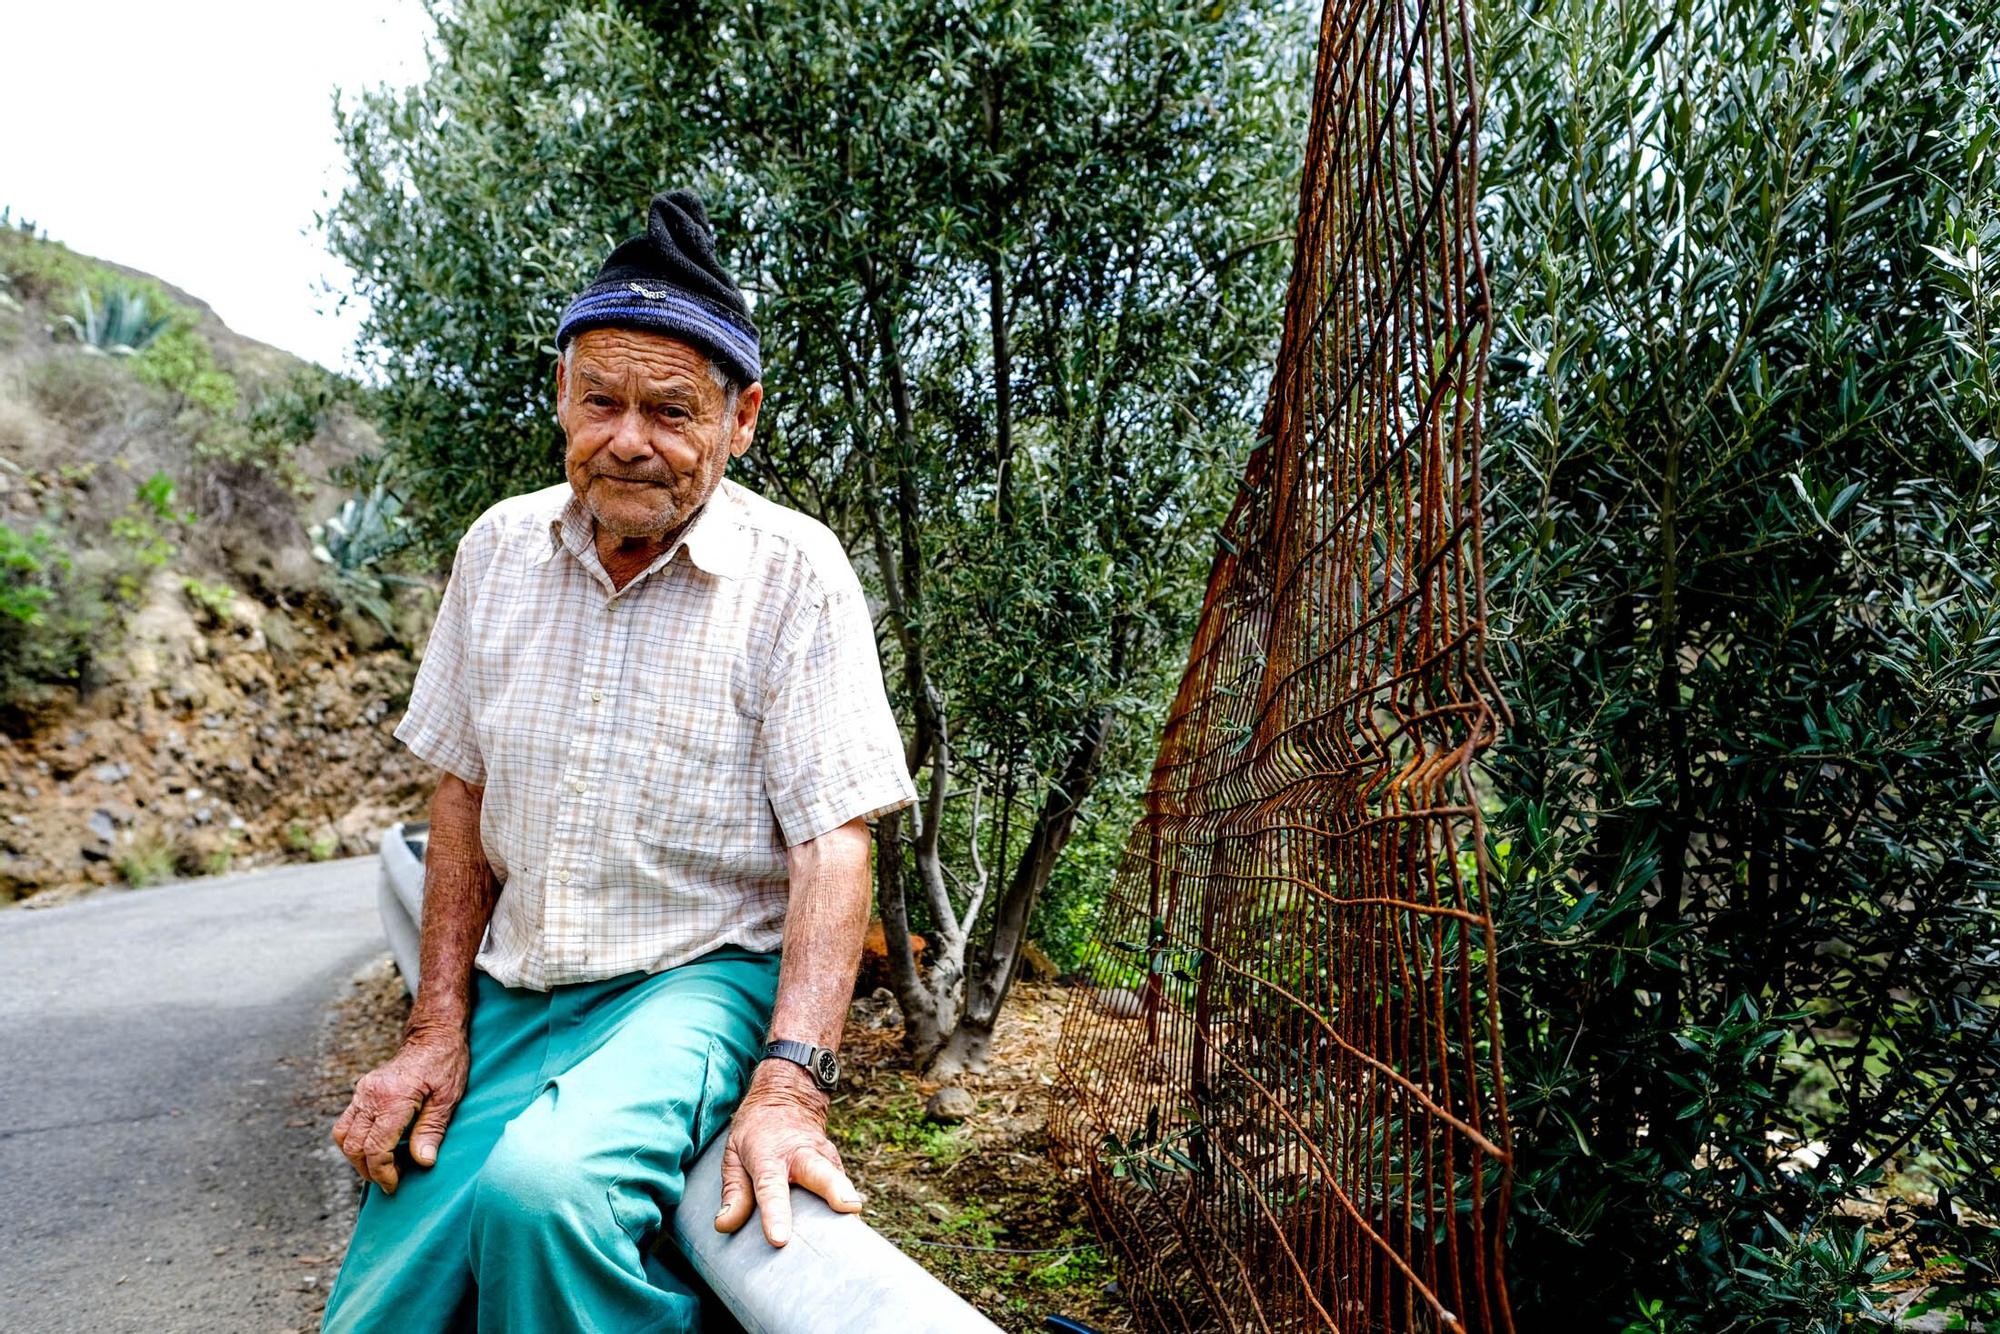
pixel 669 281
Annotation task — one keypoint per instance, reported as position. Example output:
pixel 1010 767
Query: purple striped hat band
pixel 642 305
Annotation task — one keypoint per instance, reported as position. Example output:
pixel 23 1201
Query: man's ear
pixel 562 377
pixel 744 429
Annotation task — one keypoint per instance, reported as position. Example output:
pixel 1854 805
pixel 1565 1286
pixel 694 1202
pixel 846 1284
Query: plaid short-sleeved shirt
pixel 648 753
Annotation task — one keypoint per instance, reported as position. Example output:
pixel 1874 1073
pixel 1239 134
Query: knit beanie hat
pixel 669 281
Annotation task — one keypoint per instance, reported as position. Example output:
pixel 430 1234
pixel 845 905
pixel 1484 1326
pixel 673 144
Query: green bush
pixel 53 615
pixel 146 533
pixel 1742 558
pixel 43 269
pixel 181 362
pixel 284 419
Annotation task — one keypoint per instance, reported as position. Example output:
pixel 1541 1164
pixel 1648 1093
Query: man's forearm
pixel 459 894
pixel 824 924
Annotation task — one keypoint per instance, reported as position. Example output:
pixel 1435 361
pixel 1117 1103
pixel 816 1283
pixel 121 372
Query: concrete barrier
pixel 836 1275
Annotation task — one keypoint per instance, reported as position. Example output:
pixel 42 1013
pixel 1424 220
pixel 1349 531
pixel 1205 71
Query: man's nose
pixel 632 442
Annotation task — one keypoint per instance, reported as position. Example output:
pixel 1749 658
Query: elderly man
pixel 657 704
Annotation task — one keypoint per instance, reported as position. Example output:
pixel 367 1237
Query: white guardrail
pixel 837 1275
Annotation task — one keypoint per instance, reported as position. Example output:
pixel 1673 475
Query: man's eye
pixel 599 400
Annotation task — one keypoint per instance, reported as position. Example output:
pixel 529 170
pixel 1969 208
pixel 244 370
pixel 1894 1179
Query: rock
pixel 878 1010
pixel 939 1211
pixel 950 1105
pixel 282 636
pixel 359 832
pixel 111 773
pixel 102 825
pixel 1120 1003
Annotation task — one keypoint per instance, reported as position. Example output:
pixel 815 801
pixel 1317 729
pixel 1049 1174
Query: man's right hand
pixel 425 1079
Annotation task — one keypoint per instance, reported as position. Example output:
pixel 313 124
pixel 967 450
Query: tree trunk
pixel 922 1034
pixel 991 973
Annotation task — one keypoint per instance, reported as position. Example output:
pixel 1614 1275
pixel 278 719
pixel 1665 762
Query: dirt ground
pixel 979 1204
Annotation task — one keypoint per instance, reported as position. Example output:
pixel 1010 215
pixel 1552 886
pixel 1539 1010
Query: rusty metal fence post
pixel 1283 1093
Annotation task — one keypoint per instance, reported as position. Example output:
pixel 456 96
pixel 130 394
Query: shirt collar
pixel 715 540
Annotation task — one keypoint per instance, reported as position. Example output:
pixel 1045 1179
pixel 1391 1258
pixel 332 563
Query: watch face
pixel 826 1068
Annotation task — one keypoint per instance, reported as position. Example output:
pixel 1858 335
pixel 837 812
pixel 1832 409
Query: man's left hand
pixel 778 1137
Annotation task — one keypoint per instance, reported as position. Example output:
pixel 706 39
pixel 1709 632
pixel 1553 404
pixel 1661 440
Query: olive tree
pixel 1017 268
pixel 1742 551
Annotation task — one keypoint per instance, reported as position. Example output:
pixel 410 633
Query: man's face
pixel 646 428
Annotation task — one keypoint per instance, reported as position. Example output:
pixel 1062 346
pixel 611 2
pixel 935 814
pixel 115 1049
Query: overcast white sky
pixel 195 141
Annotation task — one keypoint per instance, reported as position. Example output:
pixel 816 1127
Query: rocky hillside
pixel 189 681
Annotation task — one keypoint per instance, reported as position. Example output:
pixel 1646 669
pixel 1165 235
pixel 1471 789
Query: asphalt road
pixel 157 1169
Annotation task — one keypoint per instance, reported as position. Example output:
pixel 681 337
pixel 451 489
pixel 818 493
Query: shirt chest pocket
pixel 700 787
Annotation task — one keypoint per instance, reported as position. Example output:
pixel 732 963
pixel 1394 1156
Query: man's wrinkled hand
pixel 425 1079
pixel 776 1138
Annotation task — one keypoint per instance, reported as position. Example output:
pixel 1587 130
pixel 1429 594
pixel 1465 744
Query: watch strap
pixel 819 1062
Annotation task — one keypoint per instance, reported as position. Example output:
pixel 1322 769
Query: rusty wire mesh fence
pixel 1283 1091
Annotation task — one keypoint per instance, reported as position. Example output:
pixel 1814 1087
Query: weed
pixel 218 600
pixel 299 838
pixel 145 532
pixel 904 1129
pixel 181 362
pixel 148 859
pixel 81 392
pixel 221 858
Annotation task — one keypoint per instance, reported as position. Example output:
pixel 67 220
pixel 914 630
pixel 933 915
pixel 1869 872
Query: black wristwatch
pixel 820 1062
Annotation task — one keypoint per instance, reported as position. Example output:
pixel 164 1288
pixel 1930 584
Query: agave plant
pixel 124 325
pixel 352 543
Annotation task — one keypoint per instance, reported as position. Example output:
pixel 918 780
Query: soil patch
pixel 980 1204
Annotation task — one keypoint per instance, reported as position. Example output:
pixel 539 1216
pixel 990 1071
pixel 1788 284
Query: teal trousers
pixel 583 1109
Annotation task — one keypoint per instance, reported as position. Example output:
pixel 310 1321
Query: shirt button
pixel 562 877
pixel 577 785
pixel 597 696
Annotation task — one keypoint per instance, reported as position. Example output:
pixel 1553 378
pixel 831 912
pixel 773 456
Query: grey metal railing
pixel 836 1275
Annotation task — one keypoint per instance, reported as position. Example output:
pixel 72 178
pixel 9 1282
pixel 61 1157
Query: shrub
pixel 53 614
pixel 81 393
pixel 146 533
pixel 23 563
pixel 268 438
pixel 43 269
pixel 1742 557
pixel 148 859
pixel 181 362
